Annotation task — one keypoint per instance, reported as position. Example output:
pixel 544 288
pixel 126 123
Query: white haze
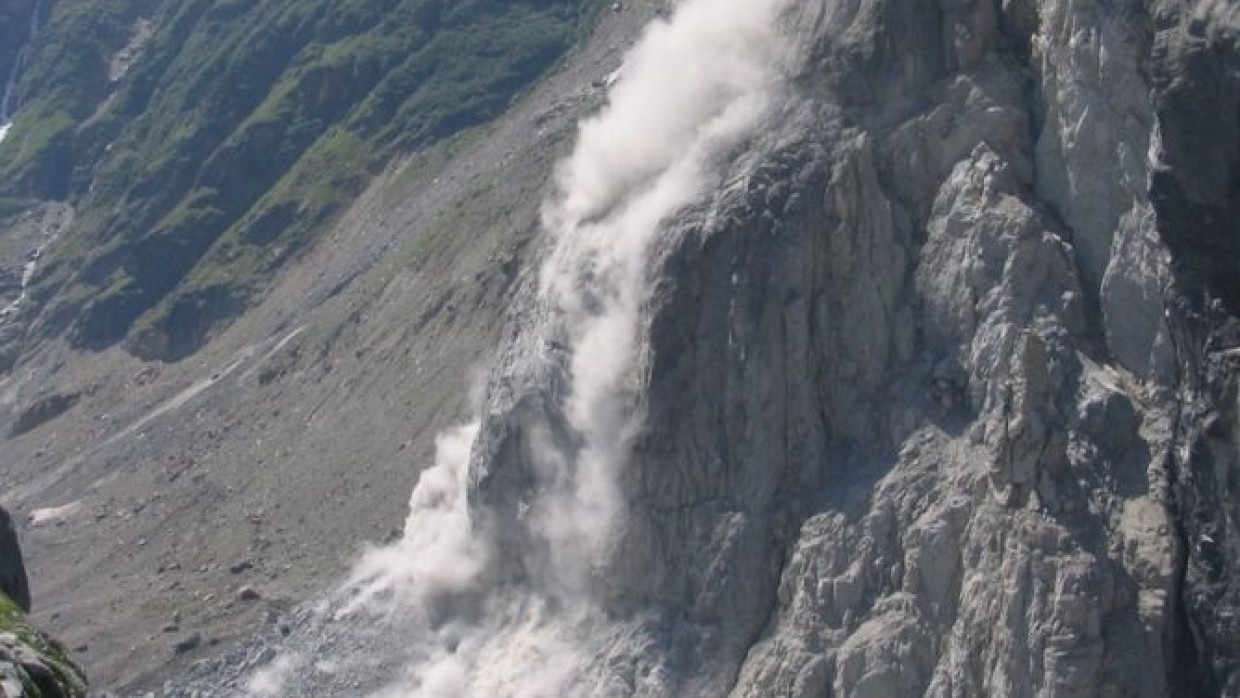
pixel 693 89
pixel 690 91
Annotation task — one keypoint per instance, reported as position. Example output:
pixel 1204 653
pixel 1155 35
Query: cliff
pixel 958 414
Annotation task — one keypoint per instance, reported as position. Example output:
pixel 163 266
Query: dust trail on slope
pixel 692 90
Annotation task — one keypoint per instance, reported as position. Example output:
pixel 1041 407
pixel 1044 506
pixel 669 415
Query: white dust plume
pixel 689 93
pixel 694 89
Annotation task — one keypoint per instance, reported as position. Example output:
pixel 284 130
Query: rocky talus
pixel 940 392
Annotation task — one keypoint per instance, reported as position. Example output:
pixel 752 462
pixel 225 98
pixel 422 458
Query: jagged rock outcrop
pixel 42 411
pixel 32 665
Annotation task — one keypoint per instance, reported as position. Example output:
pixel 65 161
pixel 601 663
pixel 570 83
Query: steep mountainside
pixel 917 380
pixel 853 348
pixel 204 144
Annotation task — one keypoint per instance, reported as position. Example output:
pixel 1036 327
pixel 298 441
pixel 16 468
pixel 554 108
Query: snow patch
pixel 42 517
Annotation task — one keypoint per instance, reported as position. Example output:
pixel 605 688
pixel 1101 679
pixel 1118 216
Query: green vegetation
pixel 64 679
pixel 241 130
pixel 64 82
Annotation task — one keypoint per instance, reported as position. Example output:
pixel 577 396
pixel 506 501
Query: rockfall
pixel 920 376
pixel 939 389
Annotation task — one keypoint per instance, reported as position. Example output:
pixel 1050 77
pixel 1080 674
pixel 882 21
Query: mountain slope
pixel 205 144
pixel 873 348
pixel 930 390
pixel 317 404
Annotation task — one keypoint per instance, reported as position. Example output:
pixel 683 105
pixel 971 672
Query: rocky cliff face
pixel 939 397
pixel 931 392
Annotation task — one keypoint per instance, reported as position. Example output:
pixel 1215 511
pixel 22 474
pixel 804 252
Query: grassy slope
pixel 241 131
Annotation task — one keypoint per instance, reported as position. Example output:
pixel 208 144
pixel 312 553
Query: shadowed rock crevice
pixel 1196 186
pixel 13 583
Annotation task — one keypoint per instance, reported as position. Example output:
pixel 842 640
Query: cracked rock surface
pixel 941 396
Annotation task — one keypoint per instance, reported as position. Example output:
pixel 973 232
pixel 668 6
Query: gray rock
pixel 811 478
pixel 187 644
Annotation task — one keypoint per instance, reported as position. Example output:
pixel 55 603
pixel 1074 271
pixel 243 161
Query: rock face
pixel 938 393
pixel 940 397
